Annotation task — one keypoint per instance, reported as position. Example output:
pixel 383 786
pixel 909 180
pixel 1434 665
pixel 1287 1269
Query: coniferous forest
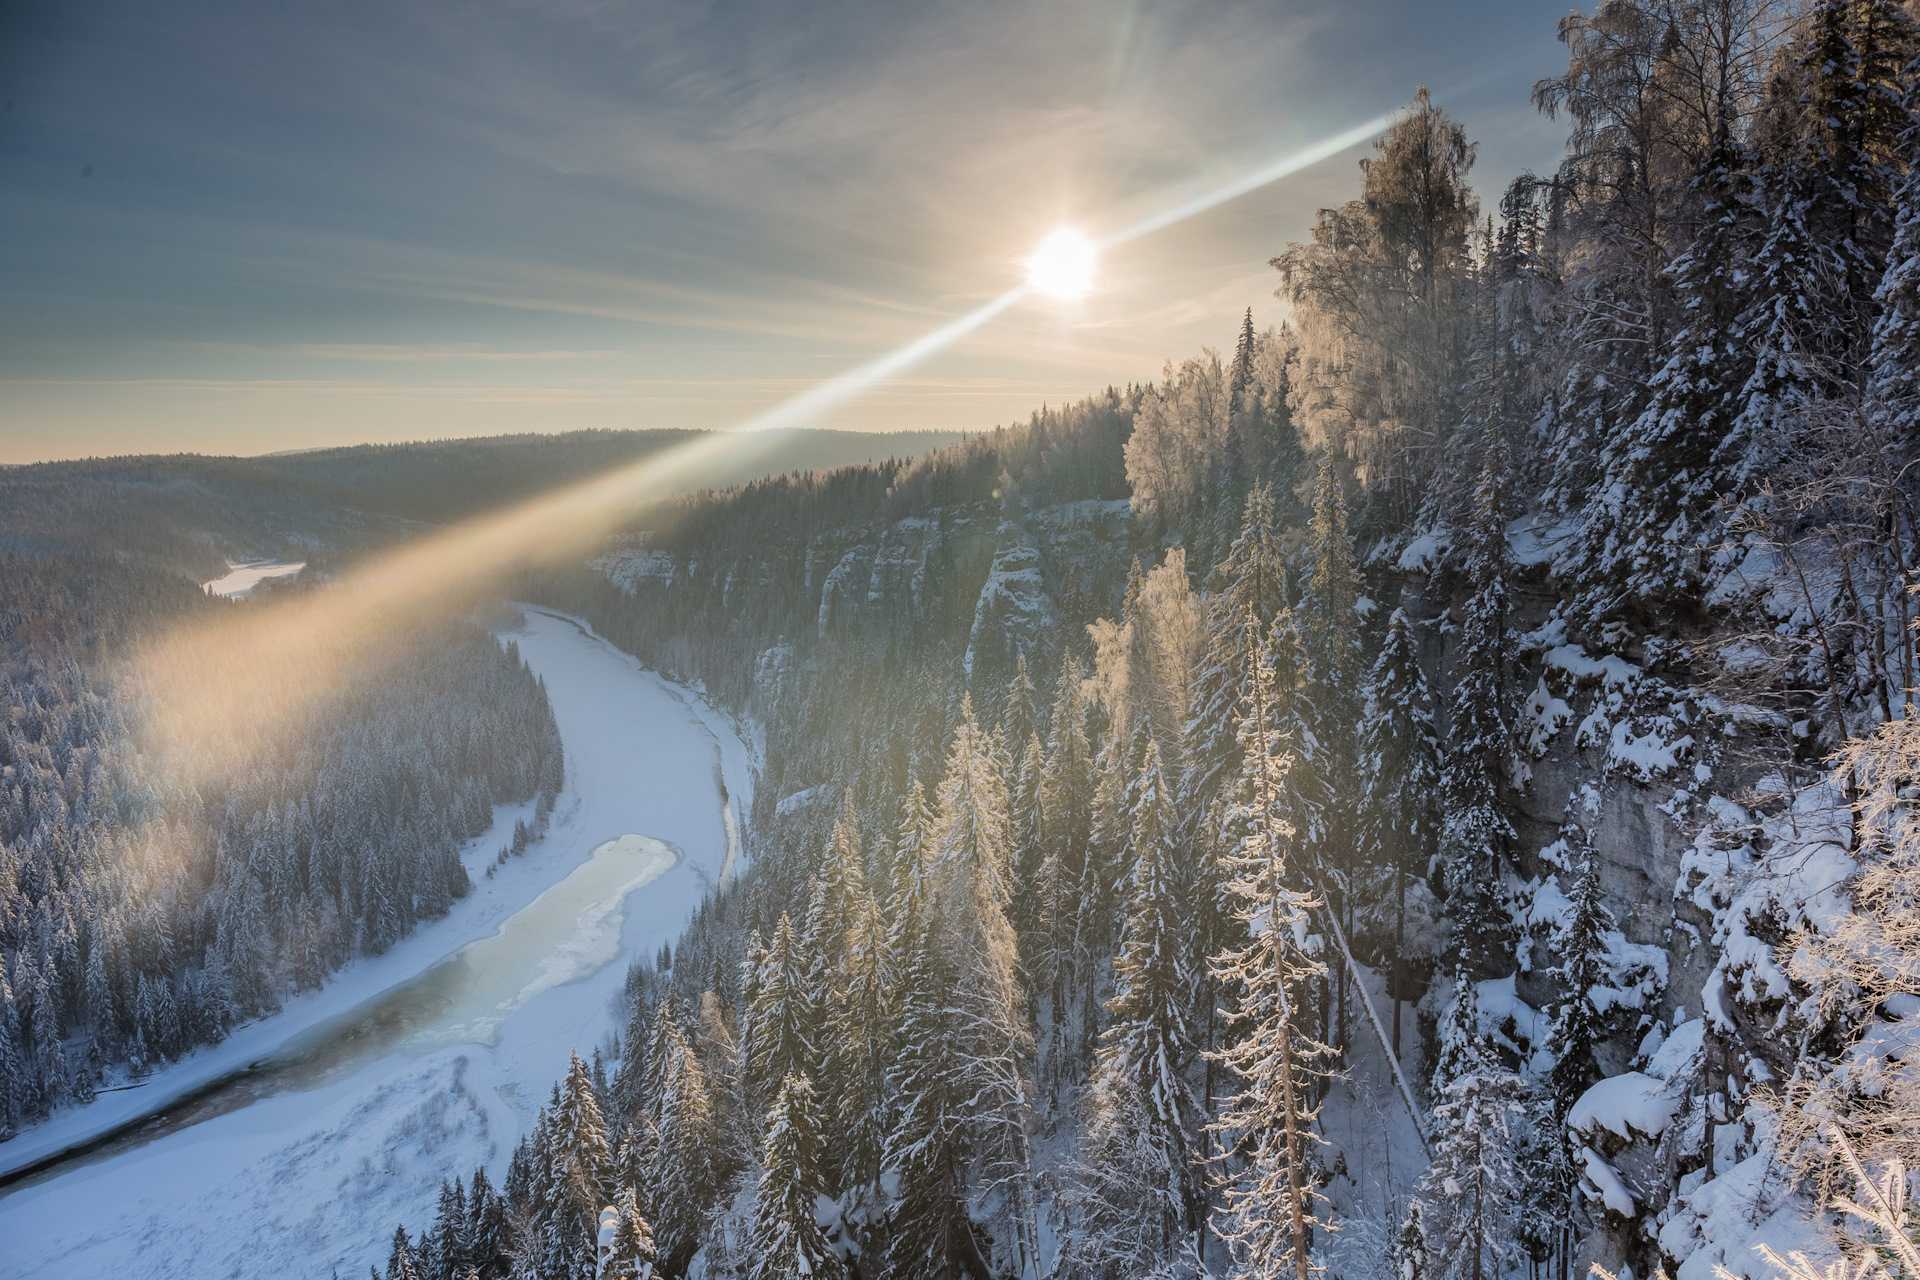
pixel 1369 803
pixel 143 914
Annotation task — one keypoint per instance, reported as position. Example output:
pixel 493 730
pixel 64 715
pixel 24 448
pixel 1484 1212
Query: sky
pixel 245 227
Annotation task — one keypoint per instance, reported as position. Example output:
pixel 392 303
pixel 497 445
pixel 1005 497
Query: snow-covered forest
pixel 1426 793
pixel 145 910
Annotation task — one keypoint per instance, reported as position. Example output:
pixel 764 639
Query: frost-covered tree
pixel 1862 974
pixel 1141 1109
pixel 786 1240
pixel 630 1253
pixel 691 1160
pixel 1580 968
pixel 1642 540
pixel 858 1020
pixel 1475 831
pixel 1472 1194
pixel 580 1171
pixel 1272 1203
pixel 1400 762
pixel 1251 578
pixel 929 1232
pixel 989 1040
pixel 783 1034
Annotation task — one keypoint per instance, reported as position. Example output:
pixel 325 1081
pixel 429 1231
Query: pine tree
pixel 787 1241
pixel 1272 1205
pixel 1400 761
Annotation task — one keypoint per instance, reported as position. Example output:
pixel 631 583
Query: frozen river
pixel 295 1147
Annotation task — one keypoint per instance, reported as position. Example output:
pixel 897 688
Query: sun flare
pixel 1062 265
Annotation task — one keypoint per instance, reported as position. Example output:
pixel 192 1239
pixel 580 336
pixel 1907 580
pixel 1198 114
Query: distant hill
pixel 192 512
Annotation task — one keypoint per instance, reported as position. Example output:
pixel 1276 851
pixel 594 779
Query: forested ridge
pixel 147 907
pixel 1518 646
pixel 188 513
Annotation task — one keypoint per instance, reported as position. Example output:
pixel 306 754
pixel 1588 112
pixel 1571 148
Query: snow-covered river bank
pixel 311 1133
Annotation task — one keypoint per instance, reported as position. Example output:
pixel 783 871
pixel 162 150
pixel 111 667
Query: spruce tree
pixel 630 1253
pixel 857 1022
pixel 1472 1195
pixel 782 1039
pixel 1580 968
pixel 581 1169
pixel 1400 763
pixel 691 1156
pixel 1642 537
pixel 990 1039
pixel 787 1241
pixel 929 1233
pixel 1142 1110
pixel 1475 832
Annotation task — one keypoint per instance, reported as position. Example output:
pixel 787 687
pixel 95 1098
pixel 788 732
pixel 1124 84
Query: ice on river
pixel 240 579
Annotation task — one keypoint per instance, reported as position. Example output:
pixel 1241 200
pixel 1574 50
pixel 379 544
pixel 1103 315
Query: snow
pixel 316 1177
pixel 1626 1105
pixel 1013 598
pixel 629 566
pixel 1424 551
pixel 1532 541
pixel 1610 669
pixel 1602 1183
pixel 240 579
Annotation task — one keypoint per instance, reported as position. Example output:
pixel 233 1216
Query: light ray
pixel 810 404
pixel 1285 167
pixel 279 662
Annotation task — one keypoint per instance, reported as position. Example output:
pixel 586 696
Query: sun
pixel 1062 265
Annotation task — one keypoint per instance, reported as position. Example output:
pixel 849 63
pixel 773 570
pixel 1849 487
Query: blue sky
pixel 246 227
